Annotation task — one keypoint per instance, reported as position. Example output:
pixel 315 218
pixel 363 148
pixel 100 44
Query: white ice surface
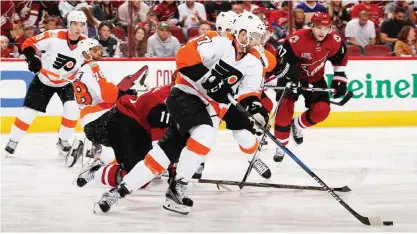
pixel 37 193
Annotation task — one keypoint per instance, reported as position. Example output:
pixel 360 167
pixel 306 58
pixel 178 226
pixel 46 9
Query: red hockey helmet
pixel 321 18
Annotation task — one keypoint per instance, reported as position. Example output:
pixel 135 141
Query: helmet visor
pixel 258 38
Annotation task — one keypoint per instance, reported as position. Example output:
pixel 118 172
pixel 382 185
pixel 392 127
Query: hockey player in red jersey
pixel 210 68
pixel 133 125
pixel 56 67
pixel 302 60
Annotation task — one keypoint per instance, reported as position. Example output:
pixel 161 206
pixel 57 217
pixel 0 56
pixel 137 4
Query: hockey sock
pixel 110 175
pixel 248 143
pixel 22 124
pixel 198 146
pixel 69 120
pixel 155 163
pixel 283 121
pixel 107 154
pixel 317 113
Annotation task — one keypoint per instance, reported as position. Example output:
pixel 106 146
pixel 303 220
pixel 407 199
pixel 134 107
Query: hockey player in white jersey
pixel 95 97
pixel 233 118
pixel 53 58
pixel 210 68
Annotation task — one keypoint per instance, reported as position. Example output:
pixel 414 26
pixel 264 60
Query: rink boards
pixel 385 91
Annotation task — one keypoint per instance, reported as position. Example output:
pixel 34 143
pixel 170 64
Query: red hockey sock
pixel 112 175
pixel 283 121
pixel 317 113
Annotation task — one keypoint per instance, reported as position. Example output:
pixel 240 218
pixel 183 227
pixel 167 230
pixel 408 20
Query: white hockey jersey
pixel 212 49
pixel 59 59
pixel 93 93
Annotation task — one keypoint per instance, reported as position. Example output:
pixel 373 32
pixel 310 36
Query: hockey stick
pixel 342 102
pixel 269 185
pixel 255 156
pixel 362 219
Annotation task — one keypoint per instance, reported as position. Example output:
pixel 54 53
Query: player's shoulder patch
pixel 337 38
pixel 293 39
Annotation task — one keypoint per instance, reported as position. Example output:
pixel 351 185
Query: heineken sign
pixel 376 87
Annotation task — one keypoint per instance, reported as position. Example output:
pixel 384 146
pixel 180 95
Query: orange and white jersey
pixel 211 50
pixel 59 58
pixel 93 93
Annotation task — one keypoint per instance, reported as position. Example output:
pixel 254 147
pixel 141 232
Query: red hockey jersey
pixel 7 17
pixel 149 110
pixel 27 12
pixel 311 55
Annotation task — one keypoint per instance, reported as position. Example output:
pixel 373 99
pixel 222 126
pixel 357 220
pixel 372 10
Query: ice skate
pixel 10 148
pixel 297 133
pixel 110 198
pixel 74 153
pixel 88 173
pixel 264 145
pixel 63 147
pixel 279 155
pixel 199 172
pixel 176 200
pixel 262 169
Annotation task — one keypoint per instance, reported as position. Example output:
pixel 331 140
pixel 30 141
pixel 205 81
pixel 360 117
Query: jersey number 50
pixel 81 93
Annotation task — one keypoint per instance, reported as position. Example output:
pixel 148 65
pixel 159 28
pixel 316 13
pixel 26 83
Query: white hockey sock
pixel 107 154
pixel 69 120
pixel 155 162
pixel 188 164
pixel 22 124
pixel 138 176
pixel 248 143
pixel 299 123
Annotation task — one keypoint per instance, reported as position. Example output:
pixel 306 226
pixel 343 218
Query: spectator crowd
pixel 159 28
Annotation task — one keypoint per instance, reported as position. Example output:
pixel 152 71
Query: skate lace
pixel 200 169
pixel 111 197
pixel 279 152
pixel 181 188
pixel 89 168
pixel 260 166
pixel 12 144
pixel 298 132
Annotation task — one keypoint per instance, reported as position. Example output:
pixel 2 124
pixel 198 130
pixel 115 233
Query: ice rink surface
pixel 37 193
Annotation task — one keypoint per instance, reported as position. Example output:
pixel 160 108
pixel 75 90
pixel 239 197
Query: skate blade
pixel 174 207
pixel 74 153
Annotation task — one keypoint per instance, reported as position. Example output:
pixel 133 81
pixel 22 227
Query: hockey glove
pixel 259 113
pixel 127 92
pixel 339 84
pixel 217 90
pixel 34 63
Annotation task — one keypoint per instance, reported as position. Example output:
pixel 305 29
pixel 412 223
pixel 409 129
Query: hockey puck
pixel 388 223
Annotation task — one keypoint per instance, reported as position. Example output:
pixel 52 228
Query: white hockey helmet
pixel 254 27
pixel 86 44
pixel 224 20
pixel 76 16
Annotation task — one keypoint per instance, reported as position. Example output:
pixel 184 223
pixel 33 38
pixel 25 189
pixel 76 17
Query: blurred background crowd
pixel 158 28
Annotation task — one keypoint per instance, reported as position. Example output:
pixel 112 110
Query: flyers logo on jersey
pixel 63 61
pixel 231 75
pixel 314 67
pixel 232 80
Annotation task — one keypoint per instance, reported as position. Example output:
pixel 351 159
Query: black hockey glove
pixel 260 114
pixel 339 84
pixel 223 77
pixel 217 90
pixel 127 92
pixel 34 63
